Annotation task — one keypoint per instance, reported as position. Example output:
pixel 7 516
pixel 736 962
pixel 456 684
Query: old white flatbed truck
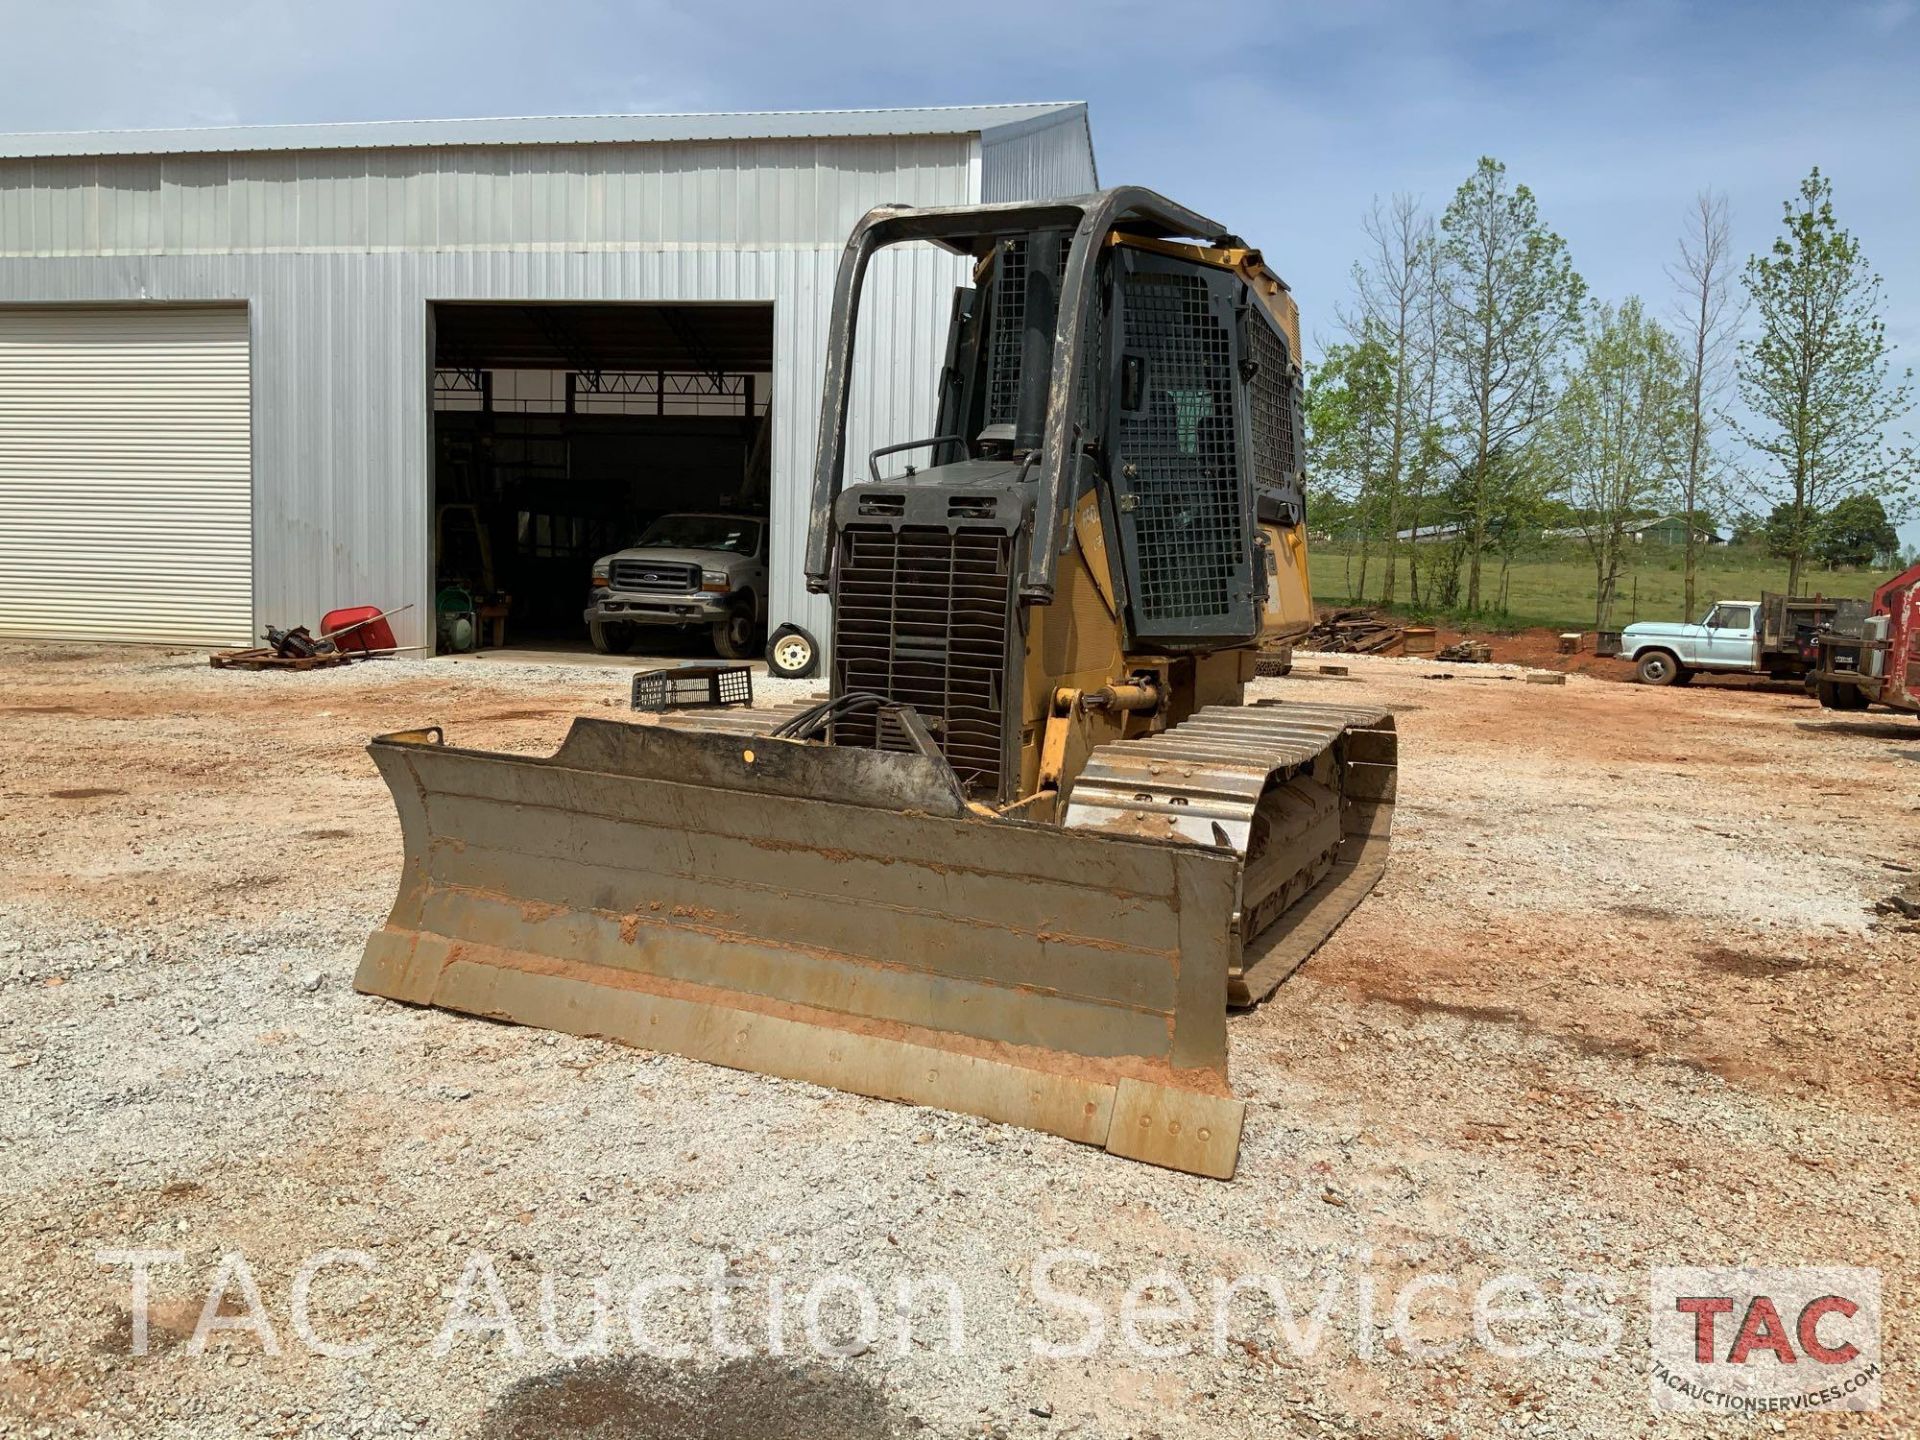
pixel 1776 636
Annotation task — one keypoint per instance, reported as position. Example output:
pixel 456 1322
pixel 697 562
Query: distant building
pixel 1663 530
pixel 1672 530
pixel 248 375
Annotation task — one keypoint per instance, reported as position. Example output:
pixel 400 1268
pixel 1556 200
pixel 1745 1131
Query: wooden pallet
pixel 261 658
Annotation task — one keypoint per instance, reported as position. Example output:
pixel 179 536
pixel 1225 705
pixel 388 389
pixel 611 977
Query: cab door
pixel 1183 455
pixel 1730 638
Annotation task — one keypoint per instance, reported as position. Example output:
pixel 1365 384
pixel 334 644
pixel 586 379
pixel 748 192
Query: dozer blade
pixel 825 914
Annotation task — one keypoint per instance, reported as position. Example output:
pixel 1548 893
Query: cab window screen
pixel 1182 455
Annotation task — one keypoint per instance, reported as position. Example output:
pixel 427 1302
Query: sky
pixel 1283 121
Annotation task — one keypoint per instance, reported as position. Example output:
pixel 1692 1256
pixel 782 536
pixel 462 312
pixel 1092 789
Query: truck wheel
pixel 792 654
pixel 1657 667
pixel 1838 695
pixel 610 637
pixel 737 637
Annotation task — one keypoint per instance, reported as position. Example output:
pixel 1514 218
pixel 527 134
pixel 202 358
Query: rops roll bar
pixel 962 229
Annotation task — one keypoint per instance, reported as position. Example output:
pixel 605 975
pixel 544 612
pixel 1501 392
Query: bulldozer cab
pixel 1117 351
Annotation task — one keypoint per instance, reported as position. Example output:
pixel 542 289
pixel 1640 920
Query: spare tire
pixel 792 653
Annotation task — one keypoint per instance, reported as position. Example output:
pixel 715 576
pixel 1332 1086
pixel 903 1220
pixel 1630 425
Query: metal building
pixel 247 375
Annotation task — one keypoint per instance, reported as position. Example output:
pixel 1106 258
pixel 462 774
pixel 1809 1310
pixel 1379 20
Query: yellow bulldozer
pixel 1031 845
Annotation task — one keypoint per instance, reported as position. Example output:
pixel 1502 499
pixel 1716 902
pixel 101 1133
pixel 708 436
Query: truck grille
pixel 655 577
pixel 923 615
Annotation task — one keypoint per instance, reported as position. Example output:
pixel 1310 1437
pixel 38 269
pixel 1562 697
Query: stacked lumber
pixel 1353 632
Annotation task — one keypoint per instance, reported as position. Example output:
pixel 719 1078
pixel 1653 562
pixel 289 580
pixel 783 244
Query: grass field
pixel 1556 590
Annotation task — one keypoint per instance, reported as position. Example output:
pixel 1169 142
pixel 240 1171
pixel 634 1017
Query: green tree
pixel 1749 529
pixel 1329 513
pixel 1818 378
pixel 1512 306
pixel 1855 532
pixel 1350 437
pixel 1622 437
pixel 1858 532
pixel 1518 489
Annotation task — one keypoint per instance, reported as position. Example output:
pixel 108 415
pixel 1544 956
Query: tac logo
pixel 1765 1341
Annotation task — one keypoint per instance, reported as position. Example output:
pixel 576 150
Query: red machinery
pixel 360 629
pixel 1881 665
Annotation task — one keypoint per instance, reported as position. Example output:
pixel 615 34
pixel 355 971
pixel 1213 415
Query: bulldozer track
pixel 1209 770
pixel 1201 781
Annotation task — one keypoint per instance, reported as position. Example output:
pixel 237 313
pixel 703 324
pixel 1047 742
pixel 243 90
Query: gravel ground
pixel 1622 1001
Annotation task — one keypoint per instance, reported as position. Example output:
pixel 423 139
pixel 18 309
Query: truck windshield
pixel 701 532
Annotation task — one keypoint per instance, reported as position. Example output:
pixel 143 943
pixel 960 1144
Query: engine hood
pixel 671 555
pixel 1662 630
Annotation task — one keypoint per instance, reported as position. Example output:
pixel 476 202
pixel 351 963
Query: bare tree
pixel 1707 320
pixel 1392 292
pixel 1430 455
pixel 1618 439
pixel 1513 306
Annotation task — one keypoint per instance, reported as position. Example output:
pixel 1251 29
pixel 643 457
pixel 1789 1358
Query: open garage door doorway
pixel 600 476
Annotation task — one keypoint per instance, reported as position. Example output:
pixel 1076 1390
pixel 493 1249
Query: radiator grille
pixel 1180 462
pixel 657 577
pixel 922 615
pixel 1274 460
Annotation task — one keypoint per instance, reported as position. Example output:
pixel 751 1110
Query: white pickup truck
pixel 1775 635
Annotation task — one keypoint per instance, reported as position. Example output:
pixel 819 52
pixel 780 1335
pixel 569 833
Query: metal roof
pixel 999 121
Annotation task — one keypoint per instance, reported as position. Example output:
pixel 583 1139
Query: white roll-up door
pixel 126 477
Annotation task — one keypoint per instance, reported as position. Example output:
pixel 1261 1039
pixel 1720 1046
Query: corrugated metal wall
pixel 567 197
pixel 1039 159
pixel 339 256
